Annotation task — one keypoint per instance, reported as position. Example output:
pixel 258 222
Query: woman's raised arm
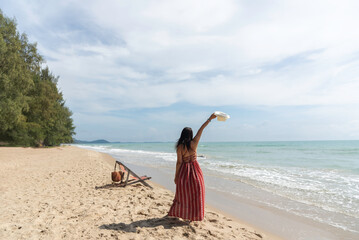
pixel 200 130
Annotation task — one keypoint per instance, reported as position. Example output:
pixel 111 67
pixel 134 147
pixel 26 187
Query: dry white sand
pixel 66 193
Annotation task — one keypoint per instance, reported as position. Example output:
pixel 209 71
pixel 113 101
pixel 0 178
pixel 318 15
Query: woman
pixel 189 199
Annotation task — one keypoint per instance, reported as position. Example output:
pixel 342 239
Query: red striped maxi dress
pixel 189 198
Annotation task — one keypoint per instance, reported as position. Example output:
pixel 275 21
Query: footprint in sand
pixel 213 220
pixel 212 213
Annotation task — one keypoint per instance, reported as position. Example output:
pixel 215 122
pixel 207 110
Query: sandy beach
pixel 66 193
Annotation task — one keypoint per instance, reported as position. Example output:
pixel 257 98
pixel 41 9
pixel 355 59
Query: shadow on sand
pixel 166 222
pixel 117 185
pixel 109 186
pixel 114 185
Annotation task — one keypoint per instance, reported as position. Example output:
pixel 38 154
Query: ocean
pixel 318 180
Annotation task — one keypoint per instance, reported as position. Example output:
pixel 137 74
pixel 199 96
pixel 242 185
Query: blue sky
pixel 143 70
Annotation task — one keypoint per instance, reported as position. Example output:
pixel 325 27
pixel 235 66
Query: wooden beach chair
pixel 131 176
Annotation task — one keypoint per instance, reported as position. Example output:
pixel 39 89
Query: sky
pixel 139 71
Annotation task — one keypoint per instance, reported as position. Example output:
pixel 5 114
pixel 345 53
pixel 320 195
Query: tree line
pixel 32 109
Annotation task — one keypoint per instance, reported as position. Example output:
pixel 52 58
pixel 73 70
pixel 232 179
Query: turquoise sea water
pixel 314 179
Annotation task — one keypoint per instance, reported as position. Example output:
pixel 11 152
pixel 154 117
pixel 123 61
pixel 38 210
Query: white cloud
pixel 184 41
pixel 117 55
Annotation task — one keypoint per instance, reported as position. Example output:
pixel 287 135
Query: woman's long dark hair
pixel 185 139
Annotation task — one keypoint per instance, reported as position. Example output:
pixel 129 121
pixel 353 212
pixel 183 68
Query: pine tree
pixel 32 110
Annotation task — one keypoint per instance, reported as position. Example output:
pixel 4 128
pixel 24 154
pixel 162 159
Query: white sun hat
pixel 221 116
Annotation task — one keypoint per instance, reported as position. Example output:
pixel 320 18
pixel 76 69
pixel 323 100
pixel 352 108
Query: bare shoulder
pixel 194 145
pixel 196 138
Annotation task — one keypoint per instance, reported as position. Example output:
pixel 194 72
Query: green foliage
pixel 32 110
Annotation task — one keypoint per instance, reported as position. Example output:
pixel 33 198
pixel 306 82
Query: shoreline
pixel 66 192
pixel 250 201
pixel 274 222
